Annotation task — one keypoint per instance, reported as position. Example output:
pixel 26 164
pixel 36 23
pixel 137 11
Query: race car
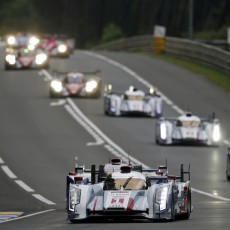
pixel 56 46
pixel 129 194
pixel 228 165
pixel 75 83
pixel 132 102
pixel 24 58
pixel 188 129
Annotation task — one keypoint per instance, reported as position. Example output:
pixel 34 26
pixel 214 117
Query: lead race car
pixel 132 102
pixel 136 194
pixel 188 129
pixel 75 83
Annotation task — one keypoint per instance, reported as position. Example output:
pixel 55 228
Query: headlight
pixel 216 133
pixel 11 59
pixel 161 197
pixel 90 86
pixel 33 41
pixel 11 40
pixel 163 131
pixel 74 197
pixel 41 58
pixel 62 48
pixel 31 47
pixel 56 86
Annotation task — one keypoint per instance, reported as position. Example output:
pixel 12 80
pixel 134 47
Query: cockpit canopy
pixel 74 78
pixel 188 120
pixel 117 181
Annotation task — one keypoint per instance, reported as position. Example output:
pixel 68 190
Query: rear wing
pixel 77 71
pixel 182 176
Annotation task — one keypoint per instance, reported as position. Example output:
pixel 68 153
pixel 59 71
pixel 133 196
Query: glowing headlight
pixel 161 197
pixel 62 48
pixel 163 131
pixel 11 40
pixel 40 59
pixel 33 41
pixel 216 133
pixel 74 197
pixel 56 86
pixel 31 47
pixel 11 59
pixel 90 86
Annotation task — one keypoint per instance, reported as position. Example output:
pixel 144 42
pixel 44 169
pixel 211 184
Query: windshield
pixel 188 123
pixel 125 183
pixel 74 79
pixel 134 97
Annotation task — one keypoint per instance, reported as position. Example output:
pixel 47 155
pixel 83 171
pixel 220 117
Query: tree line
pixel 93 21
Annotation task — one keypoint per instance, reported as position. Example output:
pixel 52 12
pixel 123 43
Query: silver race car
pixel 145 193
pixel 188 129
pixel 228 165
pixel 132 102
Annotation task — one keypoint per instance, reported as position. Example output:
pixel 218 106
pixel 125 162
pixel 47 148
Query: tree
pixel 111 32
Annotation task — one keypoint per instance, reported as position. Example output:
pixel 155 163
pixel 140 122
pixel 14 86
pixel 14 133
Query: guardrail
pixel 189 49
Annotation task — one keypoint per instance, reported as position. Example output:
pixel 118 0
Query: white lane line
pixel 101 134
pixel 1 161
pixel 24 186
pixel 8 172
pixel 87 127
pixel 210 195
pixel 33 214
pixel 43 199
pixel 43 73
pixel 58 103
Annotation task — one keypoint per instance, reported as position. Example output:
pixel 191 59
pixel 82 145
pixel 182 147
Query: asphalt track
pixel 39 138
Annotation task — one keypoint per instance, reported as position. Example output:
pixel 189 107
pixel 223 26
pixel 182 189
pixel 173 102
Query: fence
pixel 189 49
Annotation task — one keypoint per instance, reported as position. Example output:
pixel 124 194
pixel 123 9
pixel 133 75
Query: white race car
pixel 147 193
pixel 188 129
pixel 132 102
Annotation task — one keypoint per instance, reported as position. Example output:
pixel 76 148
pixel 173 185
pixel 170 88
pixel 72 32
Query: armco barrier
pixel 189 49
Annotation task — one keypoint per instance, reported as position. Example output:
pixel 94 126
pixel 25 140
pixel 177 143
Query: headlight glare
pixel 62 48
pixel 41 58
pixel 11 59
pixel 90 86
pixel 56 86
pixel 11 40
pixel 33 41
pixel 163 131
pixel 216 133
